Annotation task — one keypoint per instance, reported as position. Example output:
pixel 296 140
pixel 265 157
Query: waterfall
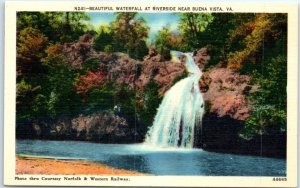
pixel 181 109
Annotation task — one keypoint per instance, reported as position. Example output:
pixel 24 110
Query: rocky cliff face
pixel 223 89
pixel 104 127
pixel 226 93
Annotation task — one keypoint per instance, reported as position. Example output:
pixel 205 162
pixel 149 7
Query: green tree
pixel 31 99
pixel 73 26
pixel 147 105
pixel 167 40
pixel 31 103
pixel 125 98
pixel 63 99
pixel 100 98
pixel 129 34
pixel 57 26
pixel 103 39
pixel 253 37
pixel 216 38
pixel 31 44
pixel 270 101
pixel 192 25
pixel 48 23
pixel 258 47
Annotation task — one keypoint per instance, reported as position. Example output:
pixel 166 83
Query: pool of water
pixel 156 161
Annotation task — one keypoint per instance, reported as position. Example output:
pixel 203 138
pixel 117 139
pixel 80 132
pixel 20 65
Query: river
pixel 155 160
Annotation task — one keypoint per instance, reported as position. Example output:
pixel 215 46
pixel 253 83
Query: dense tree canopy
pixel 167 40
pixel 104 39
pixel 57 26
pixel 192 25
pixel 129 34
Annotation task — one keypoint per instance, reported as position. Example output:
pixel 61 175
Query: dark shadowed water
pixel 156 161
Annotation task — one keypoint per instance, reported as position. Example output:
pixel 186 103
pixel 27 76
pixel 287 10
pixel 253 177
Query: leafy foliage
pixel 129 34
pixel 62 94
pixel 167 40
pixel 30 50
pixel 192 25
pixel 31 100
pixel 264 119
pixel 125 99
pixel 90 80
pixel 271 76
pixel 27 96
pixel 108 49
pixel 91 64
pixel 101 98
pixel 147 107
pixel 218 39
pixel 103 39
pixel 272 83
pixel 270 110
pixel 57 26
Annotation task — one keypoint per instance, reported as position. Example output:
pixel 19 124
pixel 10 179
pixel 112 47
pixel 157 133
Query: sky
pixel 156 21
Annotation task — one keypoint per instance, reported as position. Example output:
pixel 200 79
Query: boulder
pixel 226 93
pixel 103 127
pixel 201 58
pixel 79 51
pixel 153 56
pixel 204 82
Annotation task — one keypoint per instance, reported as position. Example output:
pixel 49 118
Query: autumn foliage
pixel 254 34
pixel 31 43
pixel 90 80
pixel 54 50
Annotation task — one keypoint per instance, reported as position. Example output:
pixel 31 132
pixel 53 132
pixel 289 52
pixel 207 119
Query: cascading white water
pixel 181 109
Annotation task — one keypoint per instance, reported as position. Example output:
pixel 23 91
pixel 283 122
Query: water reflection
pixel 132 162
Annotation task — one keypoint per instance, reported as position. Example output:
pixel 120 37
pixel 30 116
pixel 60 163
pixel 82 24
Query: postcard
pixel 192 94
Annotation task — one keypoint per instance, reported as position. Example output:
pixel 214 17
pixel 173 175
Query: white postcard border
pixel 183 181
